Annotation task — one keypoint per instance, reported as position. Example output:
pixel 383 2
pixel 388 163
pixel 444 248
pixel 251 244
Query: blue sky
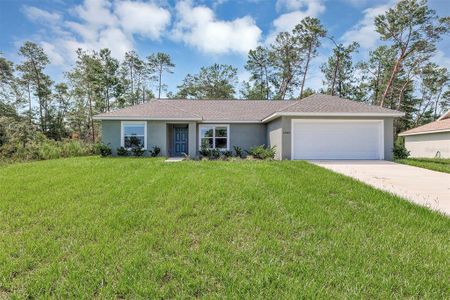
pixel 195 33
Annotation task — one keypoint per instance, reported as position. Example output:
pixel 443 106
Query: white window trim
pixel 214 135
pixel 122 131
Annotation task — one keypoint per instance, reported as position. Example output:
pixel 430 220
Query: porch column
pixel 192 139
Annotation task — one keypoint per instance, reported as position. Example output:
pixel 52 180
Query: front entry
pixel 180 140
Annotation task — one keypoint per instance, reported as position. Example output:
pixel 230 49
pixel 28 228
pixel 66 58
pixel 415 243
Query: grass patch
pixel 434 164
pixel 141 228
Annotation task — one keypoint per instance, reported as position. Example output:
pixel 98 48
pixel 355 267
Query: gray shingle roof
pixel 240 110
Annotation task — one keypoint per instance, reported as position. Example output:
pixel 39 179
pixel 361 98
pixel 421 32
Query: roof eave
pixel 134 118
pixel 333 114
pixel 424 132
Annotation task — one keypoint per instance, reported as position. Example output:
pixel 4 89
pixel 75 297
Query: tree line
pixel 398 74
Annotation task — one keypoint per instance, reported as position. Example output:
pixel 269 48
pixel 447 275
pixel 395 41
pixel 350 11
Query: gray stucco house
pixel 316 127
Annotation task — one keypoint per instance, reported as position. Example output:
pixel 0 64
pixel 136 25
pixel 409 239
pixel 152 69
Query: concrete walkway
pixel 421 186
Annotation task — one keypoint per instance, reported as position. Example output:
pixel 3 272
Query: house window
pixel 215 136
pixel 134 135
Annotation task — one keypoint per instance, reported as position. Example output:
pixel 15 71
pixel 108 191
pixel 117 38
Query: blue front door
pixel 180 141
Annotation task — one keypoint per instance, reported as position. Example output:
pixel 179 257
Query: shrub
pixel 399 150
pixel 214 153
pixel 262 152
pixel 104 150
pixel 238 151
pixel 137 151
pixel 227 153
pixel 122 151
pixel 155 151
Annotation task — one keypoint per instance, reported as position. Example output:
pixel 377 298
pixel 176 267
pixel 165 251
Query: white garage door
pixel 337 139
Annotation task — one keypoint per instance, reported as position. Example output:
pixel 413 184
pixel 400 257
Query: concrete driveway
pixel 421 186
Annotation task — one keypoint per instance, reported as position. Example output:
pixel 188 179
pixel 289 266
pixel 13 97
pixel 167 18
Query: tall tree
pixel 307 35
pixel 86 79
pixel 258 64
pixel 110 79
pixel 159 64
pixel 213 82
pixel 286 61
pixel 412 28
pixel 33 73
pixel 374 73
pixel 339 70
pixel 134 77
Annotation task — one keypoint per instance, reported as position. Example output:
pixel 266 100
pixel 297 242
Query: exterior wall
pixel 275 136
pixel 388 133
pixel 247 135
pixel 111 134
pixel 244 135
pixel 157 135
pixel 428 145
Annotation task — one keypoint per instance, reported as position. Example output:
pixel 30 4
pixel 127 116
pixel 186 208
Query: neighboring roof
pixel 441 125
pixel 445 116
pixel 254 111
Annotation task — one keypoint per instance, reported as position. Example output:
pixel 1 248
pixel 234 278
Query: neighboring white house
pixel 430 140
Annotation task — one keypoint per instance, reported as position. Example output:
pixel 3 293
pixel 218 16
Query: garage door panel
pixel 337 139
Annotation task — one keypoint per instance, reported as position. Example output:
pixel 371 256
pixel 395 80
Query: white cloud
pixel 296 11
pixel 198 27
pixel 364 31
pixel 99 24
pixel 37 14
pixel 146 19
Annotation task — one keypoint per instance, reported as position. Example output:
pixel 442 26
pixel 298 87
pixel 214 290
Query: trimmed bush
pixel 104 150
pixel 399 150
pixel 155 151
pixel 238 151
pixel 122 151
pixel 137 151
pixel 262 152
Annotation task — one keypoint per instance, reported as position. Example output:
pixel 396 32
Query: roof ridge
pixel 180 109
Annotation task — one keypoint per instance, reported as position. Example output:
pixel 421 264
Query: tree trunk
pixel 132 84
pixel 30 113
pixel 334 74
pixel 91 115
pixel 306 70
pixel 392 77
pixel 159 87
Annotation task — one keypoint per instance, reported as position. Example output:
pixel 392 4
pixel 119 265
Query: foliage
pixel 399 150
pixel 238 151
pixel 20 141
pixel 227 153
pixel 339 72
pixel 413 30
pixel 137 151
pixel 104 150
pixel 262 152
pixel 307 35
pixel 159 64
pixel 213 82
pixel 121 151
pixel 155 151
pixel 80 212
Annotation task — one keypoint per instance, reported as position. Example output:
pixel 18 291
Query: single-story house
pixel 430 140
pixel 316 127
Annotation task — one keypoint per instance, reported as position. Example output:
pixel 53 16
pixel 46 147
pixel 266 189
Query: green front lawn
pixel 141 228
pixel 435 164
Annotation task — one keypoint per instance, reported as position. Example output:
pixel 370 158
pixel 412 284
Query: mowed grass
pixel 434 164
pixel 142 228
